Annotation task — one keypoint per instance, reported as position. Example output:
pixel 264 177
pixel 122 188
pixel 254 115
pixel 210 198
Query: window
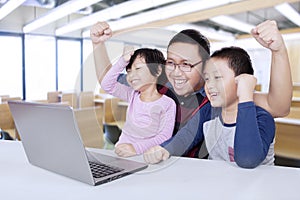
pixel 40 72
pixel 90 82
pixel 11 66
pixel 69 65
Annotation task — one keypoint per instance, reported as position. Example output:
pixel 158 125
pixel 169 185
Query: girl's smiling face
pixel 139 76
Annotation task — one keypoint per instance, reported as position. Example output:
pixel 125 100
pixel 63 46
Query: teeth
pixel 213 94
pixel 133 81
pixel 179 81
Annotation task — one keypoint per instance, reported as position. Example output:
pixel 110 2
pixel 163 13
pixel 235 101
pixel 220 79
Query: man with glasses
pixel 185 84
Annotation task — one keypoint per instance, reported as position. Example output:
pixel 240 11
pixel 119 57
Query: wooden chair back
pixel 86 99
pixel 70 98
pixel 7 122
pixel 6 119
pixel 110 110
pixel 53 96
pixel 90 125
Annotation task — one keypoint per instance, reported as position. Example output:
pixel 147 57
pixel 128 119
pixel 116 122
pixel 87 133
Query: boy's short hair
pixel 238 59
pixel 191 36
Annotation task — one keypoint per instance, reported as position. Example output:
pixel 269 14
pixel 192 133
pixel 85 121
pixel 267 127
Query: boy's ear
pixel 159 71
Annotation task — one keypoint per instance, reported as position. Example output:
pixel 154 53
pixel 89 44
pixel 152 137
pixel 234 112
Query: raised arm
pixel 278 100
pixel 99 33
pixel 111 85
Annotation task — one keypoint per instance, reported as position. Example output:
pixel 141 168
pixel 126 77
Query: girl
pixel 150 115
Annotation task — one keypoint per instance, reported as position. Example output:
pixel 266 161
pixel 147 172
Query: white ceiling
pixel 249 11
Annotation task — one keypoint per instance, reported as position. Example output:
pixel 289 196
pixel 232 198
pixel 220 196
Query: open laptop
pixel 52 141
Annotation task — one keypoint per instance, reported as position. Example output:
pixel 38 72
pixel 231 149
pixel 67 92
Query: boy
pixel 243 132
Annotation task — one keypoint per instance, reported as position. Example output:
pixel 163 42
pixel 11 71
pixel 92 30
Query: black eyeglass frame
pixel 185 67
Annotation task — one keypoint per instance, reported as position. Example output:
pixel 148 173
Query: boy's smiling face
pixel 220 85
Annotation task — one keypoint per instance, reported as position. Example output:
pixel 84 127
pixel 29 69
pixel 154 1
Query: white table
pixel 178 178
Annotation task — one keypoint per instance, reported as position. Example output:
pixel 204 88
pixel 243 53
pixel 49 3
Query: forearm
pixel 101 59
pixel 278 100
pixel 254 134
pixel 186 137
pixel 142 146
pixel 281 86
pixel 111 85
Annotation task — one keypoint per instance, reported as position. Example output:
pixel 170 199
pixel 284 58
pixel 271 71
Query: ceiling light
pixel 9 6
pixel 114 12
pixel 173 10
pixel 190 6
pixel 210 33
pixel 289 12
pixel 57 13
pixel 233 23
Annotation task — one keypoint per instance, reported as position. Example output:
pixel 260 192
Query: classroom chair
pixel 53 96
pixel 86 99
pixel 70 98
pixel 90 124
pixel 7 123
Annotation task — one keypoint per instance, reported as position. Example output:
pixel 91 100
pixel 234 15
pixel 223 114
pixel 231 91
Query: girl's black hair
pixel 154 59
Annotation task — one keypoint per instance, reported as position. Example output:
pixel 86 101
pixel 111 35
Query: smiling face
pixel 184 83
pixel 139 76
pixel 220 86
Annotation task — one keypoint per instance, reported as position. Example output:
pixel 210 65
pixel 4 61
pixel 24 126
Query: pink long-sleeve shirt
pixel 147 123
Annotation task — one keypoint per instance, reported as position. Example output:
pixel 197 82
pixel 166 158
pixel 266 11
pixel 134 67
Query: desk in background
pixel 295 102
pixel 177 178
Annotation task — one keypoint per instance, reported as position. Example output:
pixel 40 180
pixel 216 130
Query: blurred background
pixel 45 44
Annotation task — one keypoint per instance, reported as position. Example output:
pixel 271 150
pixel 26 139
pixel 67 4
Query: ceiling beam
pixel 233 8
pixel 284 31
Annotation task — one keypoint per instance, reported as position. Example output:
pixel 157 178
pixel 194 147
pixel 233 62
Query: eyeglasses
pixel 185 67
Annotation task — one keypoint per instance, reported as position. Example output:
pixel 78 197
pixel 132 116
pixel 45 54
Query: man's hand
pixel 268 35
pixel 100 32
pixel 156 154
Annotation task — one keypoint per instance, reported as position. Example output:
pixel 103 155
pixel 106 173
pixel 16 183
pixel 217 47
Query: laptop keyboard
pixel 100 170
